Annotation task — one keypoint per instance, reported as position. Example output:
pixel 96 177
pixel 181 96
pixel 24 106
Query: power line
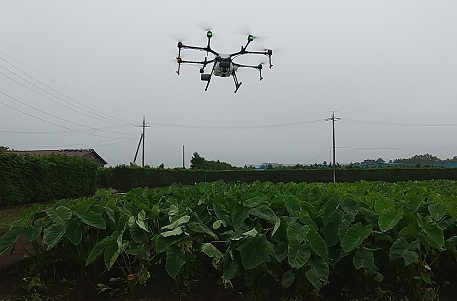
pixel 47 132
pixel 237 127
pixel 91 110
pixel 404 124
pixel 57 117
pixel 56 102
pixel 93 144
pixel 50 122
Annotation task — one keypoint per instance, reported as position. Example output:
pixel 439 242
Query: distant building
pixel 89 154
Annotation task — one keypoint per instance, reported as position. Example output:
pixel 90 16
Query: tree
pixel 4 148
pixel 197 161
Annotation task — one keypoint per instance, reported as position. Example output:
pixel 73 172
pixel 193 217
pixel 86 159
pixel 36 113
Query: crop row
pixel 259 235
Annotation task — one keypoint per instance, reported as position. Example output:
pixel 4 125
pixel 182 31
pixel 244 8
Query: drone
pixel 222 64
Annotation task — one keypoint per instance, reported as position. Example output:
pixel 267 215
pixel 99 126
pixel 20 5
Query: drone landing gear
pixel 237 84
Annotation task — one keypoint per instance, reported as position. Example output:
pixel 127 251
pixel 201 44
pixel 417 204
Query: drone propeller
pixel 178 37
pixel 245 31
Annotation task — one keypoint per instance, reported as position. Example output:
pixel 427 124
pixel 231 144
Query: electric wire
pixel 60 118
pixel 47 132
pixel 50 122
pixel 402 124
pixel 54 101
pixel 238 127
pixel 92 144
pixel 91 110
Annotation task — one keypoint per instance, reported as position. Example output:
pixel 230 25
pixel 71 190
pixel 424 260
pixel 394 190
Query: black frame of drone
pixel 208 49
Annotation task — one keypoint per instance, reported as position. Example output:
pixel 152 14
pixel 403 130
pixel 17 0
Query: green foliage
pixel 125 178
pixel 25 179
pixel 263 235
pixel 198 162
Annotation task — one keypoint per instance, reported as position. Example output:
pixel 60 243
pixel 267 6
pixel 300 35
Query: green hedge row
pixel 25 179
pixel 124 178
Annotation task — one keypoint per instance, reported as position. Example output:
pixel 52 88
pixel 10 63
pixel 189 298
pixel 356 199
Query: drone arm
pixel 180 61
pixel 258 67
pixel 267 52
pixel 207 48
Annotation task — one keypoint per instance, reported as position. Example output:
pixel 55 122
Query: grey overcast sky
pixel 81 74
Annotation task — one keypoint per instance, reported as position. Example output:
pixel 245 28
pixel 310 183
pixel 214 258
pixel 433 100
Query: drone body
pixel 222 64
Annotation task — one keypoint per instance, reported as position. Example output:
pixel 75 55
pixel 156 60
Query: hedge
pixel 124 178
pixel 26 178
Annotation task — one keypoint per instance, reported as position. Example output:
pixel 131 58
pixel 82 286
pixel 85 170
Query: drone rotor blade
pixel 205 26
pixel 246 31
pixel 178 37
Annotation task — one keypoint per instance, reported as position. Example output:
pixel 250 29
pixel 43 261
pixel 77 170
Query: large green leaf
pixel 409 231
pixel 331 228
pixel 53 234
pixel 9 239
pixel 298 254
pixel 281 251
pixel 91 218
pixel 329 207
pixel 295 231
pixel 140 221
pixel 111 252
pixel 137 233
pixel 382 204
pixel 402 249
pixel 317 244
pixel 97 250
pixel 255 201
pixel 287 279
pixel 25 217
pixel 33 231
pixel 318 272
pixel 253 251
pixel 292 206
pixel 230 266
pixel 264 212
pixel 211 251
pixel 201 228
pixel 174 232
pixel 60 214
pixel 389 218
pixel 437 211
pixel 239 215
pixel 175 259
pixel 177 223
pixel 74 232
pixel 413 202
pixel 354 236
pixel 364 259
pixel 432 230
pixel 162 243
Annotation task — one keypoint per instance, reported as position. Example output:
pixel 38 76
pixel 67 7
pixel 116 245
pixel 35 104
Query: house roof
pixel 64 152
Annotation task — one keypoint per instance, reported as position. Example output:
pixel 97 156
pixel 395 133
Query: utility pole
pixel 144 125
pixel 333 118
pixel 183 160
